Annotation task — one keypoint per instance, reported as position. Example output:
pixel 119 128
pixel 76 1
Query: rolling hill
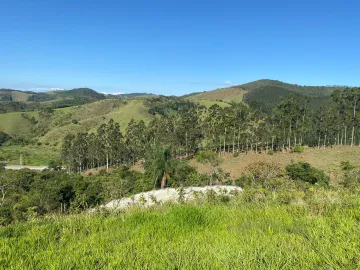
pixel 83 109
pixel 24 96
pixel 265 91
pixel 227 95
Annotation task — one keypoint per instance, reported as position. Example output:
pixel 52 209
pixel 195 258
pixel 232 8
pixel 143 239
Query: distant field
pixel 91 116
pixel 14 123
pixel 209 103
pixel 32 154
pixel 328 159
pixel 19 96
pixel 232 94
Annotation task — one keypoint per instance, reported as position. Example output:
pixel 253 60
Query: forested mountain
pixel 18 95
pixel 20 101
pixel 313 91
pixel 267 92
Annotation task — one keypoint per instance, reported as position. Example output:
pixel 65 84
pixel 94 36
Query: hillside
pixel 227 95
pixel 87 117
pixel 255 230
pixel 265 91
pixel 18 95
pixel 269 92
pixel 313 91
pixel 328 159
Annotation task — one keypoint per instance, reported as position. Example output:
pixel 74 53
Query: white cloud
pixel 117 93
pixel 229 83
pixel 40 89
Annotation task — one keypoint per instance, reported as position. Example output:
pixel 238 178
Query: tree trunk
pixel 319 142
pixel 163 180
pixel 238 143
pixel 345 136
pixel 233 150
pixel 342 135
pixel 107 161
pixel 352 136
pixel 325 140
pixel 219 147
pixel 225 142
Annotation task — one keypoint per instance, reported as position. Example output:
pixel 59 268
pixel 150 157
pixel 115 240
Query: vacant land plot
pixel 328 159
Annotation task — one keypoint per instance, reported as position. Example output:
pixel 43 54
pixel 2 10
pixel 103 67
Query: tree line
pixel 186 128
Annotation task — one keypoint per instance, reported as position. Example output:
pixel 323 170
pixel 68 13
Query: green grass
pixel 32 154
pixel 14 123
pixel 91 116
pixel 236 235
pixel 19 96
pixel 231 94
pixel 209 103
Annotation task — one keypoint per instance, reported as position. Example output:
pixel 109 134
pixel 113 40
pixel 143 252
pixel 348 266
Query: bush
pixel 3 137
pixel 236 154
pixel 264 174
pixel 270 152
pixel 209 157
pixel 298 149
pixel 304 172
pixel 346 166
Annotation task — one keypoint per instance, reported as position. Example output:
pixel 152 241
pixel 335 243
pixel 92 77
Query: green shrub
pixel 263 174
pixel 298 149
pixel 304 172
pixel 346 166
pixel 270 152
pixel 236 154
pixel 209 157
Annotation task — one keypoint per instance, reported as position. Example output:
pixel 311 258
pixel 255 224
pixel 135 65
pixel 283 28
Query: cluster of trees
pixel 234 129
pixel 25 194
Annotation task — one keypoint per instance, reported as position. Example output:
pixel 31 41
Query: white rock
pixel 168 194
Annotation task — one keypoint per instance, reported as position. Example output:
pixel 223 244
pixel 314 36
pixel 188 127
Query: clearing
pixel 327 159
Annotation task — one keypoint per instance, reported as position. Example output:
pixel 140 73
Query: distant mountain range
pixel 83 109
pixel 265 91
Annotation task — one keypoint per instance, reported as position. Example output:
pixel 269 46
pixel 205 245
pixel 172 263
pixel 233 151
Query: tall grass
pixel 319 230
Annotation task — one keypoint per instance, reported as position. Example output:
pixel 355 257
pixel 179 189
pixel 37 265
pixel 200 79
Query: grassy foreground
pixel 244 233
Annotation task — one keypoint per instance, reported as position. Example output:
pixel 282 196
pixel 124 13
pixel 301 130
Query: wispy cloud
pixel 229 83
pixel 116 93
pixel 41 89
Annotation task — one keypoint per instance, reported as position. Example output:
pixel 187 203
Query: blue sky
pixel 176 47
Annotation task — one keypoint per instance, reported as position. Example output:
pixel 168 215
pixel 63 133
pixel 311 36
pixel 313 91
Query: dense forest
pixel 186 128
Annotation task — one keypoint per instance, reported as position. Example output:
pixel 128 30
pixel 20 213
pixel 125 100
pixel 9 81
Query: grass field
pixel 19 96
pixel 91 116
pixel 328 159
pixel 232 235
pixel 14 123
pixel 32 154
pixel 231 94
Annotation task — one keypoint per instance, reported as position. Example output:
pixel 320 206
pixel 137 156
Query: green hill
pixel 269 92
pixel 313 91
